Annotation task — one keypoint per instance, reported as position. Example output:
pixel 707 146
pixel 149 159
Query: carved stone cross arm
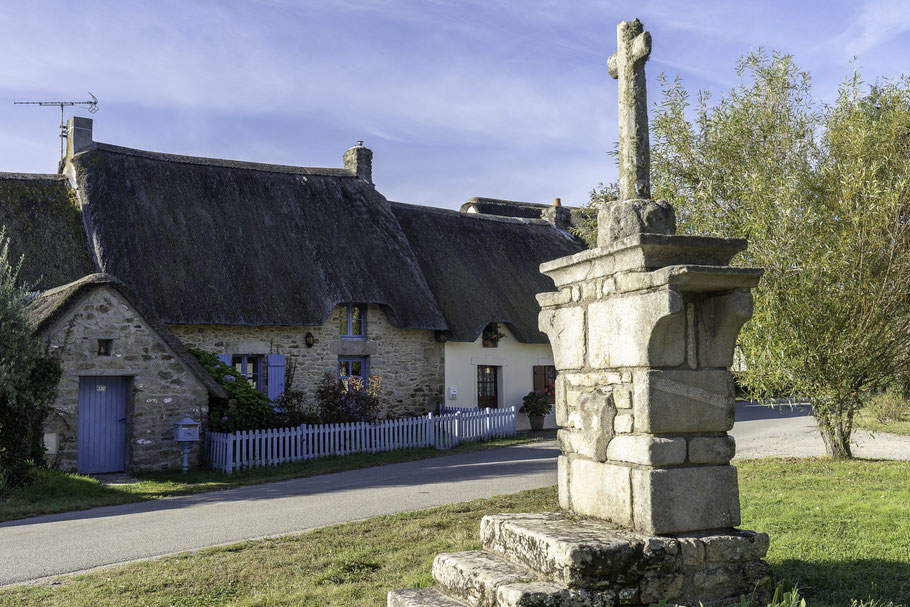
pixel 627 65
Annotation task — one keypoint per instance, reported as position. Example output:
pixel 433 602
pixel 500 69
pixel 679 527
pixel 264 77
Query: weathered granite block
pixel 676 500
pixel 719 323
pixel 637 330
pixel 566 330
pixel 420 597
pixel 599 489
pixel 588 427
pixel 647 450
pixel 474 576
pixel 667 401
pixel 711 450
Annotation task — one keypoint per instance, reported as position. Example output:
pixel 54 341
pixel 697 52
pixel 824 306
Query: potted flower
pixel 491 335
pixel 536 407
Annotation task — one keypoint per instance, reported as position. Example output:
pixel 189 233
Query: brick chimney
pixel 78 136
pixel 359 160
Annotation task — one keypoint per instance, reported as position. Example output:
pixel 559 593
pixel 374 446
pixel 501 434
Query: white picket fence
pixel 229 452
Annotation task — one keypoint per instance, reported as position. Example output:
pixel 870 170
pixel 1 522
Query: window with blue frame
pixel 353 366
pixel 353 321
pixel 265 372
pixel 250 366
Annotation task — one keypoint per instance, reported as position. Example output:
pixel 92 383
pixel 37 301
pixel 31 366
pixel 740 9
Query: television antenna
pixel 91 106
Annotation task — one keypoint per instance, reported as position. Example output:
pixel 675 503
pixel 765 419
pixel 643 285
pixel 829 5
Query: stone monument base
pixel 555 560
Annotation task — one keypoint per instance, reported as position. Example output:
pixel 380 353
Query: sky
pixel 456 98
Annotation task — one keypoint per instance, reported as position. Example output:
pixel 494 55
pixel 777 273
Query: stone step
pixel 481 579
pixel 474 576
pixel 575 553
pixel 420 597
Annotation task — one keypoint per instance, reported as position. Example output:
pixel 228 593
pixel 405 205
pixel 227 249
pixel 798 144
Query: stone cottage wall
pixel 410 361
pixel 162 388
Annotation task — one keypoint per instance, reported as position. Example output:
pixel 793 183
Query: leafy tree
pixel 29 374
pixel 821 193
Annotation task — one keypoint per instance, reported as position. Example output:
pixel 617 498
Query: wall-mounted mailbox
pixel 186 430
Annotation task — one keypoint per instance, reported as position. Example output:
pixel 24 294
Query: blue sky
pixel 509 99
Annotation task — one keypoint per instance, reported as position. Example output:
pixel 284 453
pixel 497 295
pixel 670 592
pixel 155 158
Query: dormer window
pixel 353 321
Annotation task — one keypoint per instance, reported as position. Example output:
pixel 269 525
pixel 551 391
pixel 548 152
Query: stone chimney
pixel 558 215
pixel 78 136
pixel 359 160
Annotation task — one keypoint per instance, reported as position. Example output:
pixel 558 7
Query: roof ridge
pixel 32 176
pixel 478 216
pixel 223 162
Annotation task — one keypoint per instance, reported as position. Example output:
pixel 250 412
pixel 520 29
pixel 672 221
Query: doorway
pixel 101 434
pixel 487 386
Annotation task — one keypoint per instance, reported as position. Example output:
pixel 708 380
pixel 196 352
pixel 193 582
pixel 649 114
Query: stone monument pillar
pixel 643 330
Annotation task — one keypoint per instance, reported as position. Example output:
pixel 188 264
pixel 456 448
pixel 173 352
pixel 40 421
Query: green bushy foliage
pixel 246 408
pixel 348 400
pixel 29 373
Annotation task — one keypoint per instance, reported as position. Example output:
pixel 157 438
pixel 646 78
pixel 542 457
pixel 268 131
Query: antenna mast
pixel 91 106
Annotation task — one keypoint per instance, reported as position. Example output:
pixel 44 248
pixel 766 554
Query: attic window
pixel 104 347
pixel 353 321
pixel 491 335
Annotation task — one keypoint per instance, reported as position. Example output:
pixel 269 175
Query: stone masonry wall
pixel 162 389
pixel 410 361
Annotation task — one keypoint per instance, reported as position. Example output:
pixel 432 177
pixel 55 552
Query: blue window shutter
pixel 275 376
pixel 225 358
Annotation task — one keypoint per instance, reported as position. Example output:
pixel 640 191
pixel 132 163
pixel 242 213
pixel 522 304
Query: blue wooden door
pixel 102 424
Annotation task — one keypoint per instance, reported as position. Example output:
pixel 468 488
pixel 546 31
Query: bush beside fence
pixel 232 451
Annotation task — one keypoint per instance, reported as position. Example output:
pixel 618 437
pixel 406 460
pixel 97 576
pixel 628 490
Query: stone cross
pixel 627 64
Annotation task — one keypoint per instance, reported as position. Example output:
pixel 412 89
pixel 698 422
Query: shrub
pixel 348 400
pixel 29 373
pixel 291 407
pixel 246 408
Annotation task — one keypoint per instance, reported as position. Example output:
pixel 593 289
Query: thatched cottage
pixel 260 263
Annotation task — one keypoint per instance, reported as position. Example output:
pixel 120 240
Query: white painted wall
pixel 516 361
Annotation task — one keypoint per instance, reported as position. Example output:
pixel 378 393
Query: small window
pixel 105 346
pixel 545 381
pixel 353 366
pixel 353 321
pixel 249 366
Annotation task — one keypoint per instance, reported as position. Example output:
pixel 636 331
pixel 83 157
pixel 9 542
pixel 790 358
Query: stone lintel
pixel 642 252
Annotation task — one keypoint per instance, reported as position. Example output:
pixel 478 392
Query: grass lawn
pixel 841 530
pixel 62 492
pixel 869 421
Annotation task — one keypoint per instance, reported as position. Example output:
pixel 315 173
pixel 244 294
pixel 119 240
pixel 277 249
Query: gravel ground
pixel 762 431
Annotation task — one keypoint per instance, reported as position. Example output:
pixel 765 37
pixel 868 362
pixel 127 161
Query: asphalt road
pixel 35 548
pixel 56 544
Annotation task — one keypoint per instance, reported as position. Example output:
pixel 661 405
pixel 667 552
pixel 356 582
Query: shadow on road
pixel 490 464
pixel 747 411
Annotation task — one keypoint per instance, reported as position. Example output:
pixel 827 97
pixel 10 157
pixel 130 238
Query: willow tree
pixel 821 192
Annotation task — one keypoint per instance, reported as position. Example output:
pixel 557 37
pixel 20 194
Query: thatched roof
pixel 207 241
pixel 50 306
pixel 484 268
pixel 43 224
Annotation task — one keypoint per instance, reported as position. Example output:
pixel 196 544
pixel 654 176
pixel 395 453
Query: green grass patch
pixel 885 412
pixel 55 491
pixel 840 530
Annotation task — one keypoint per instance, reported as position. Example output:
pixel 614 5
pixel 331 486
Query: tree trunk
pixel 837 445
